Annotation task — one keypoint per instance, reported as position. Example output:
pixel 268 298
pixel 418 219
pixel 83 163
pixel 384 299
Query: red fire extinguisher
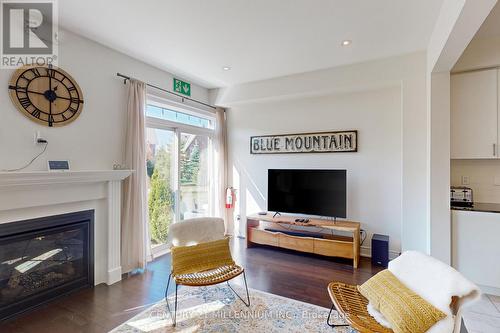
pixel 229 198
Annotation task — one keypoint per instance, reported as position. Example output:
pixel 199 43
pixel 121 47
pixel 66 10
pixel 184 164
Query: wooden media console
pixel 321 240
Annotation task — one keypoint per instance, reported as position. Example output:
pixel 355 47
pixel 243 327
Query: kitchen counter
pixel 474 245
pixel 481 207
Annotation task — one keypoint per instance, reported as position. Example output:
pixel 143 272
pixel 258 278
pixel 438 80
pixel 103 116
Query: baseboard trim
pixel 366 251
pixel 114 275
pixel 489 290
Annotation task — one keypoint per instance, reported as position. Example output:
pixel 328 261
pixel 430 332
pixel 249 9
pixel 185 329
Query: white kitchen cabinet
pixel 474 115
pixel 475 249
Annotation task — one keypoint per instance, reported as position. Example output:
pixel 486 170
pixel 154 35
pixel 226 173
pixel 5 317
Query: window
pixel 194 176
pixel 160 166
pixel 178 117
pixel 179 167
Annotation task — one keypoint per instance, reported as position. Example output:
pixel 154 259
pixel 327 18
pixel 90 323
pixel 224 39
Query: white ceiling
pixel 258 39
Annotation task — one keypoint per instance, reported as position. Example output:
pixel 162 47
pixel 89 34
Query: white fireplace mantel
pixel 60 177
pixel 26 195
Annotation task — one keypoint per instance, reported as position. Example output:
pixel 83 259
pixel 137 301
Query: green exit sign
pixel 182 87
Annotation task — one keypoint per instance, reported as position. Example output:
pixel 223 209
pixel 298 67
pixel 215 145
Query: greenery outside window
pixel 179 167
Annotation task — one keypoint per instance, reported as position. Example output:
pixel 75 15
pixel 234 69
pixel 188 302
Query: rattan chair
pixel 351 305
pixel 194 232
pixel 441 283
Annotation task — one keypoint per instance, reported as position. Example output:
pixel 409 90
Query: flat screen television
pixel 311 192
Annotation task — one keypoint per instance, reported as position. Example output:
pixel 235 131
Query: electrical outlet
pixel 465 180
pixel 39 138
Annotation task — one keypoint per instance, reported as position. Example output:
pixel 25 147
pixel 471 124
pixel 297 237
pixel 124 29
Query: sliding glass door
pixel 194 176
pixel 161 152
pixel 179 169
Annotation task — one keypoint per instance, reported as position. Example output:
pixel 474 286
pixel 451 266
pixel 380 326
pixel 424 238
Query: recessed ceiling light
pixel 226 68
pixel 346 42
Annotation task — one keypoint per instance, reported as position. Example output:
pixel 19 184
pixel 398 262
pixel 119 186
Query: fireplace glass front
pixel 44 258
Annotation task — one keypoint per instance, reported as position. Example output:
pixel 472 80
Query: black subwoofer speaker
pixel 380 250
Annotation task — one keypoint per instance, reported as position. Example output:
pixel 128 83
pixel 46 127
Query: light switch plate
pixel 496 181
pixel 465 180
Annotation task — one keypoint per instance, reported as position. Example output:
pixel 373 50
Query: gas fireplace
pixel 44 258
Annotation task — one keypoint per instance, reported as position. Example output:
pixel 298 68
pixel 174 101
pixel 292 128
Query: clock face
pixel 46 95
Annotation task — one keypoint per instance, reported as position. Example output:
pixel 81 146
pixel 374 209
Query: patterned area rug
pixel 217 309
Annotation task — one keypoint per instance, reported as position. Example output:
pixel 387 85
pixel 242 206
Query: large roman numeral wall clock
pixel 46 94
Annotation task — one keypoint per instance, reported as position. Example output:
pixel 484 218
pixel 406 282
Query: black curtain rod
pixel 167 91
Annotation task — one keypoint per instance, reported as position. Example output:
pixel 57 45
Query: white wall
pixel 95 140
pixel 374 172
pixel 407 74
pixel 439 166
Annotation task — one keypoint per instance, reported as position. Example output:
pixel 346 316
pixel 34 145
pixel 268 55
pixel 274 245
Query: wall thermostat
pixel 58 165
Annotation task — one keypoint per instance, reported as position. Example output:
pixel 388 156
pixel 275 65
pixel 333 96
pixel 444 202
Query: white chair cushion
pixel 195 231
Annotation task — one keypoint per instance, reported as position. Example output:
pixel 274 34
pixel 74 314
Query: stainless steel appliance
pixel 461 196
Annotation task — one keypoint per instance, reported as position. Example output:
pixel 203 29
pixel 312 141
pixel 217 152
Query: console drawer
pixel 303 244
pixel 334 248
pixel 262 237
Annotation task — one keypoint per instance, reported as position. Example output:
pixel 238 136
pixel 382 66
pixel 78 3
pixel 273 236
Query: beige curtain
pixel 221 164
pixel 134 233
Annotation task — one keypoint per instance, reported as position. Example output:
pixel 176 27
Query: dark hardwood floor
pixel 287 273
